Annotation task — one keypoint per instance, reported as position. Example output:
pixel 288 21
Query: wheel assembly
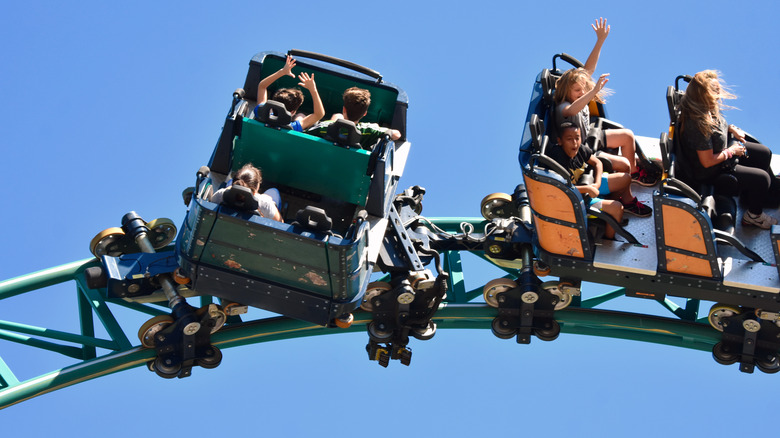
pixel 724 354
pixel 558 289
pixel 106 242
pixel 373 290
pixel 494 287
pixel 377 334
pixel 550 331
pixel 424 333
pixel 719 312
pixel 162 231
pixel 500 328
pixel 496 205
pixel 166 368
pixel 150 328
pixel 211 359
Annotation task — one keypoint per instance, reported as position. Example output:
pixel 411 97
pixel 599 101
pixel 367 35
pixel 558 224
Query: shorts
pixel 603 191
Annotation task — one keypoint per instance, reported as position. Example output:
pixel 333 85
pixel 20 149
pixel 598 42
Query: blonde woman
pixel 711 145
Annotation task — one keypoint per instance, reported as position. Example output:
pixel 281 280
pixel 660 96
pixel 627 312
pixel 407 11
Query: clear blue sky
pixel 109 107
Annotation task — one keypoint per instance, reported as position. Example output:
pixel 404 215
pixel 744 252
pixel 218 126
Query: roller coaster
pixel 354 253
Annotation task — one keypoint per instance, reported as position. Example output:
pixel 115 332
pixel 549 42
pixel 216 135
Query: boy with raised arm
pixel 292 98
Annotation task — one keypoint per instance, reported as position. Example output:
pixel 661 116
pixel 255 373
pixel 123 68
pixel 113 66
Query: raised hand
pixel 307 81
pixel 601 28
pixel 601 82
pixel 289 63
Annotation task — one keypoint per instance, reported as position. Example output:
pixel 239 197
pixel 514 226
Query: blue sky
pixel 109 107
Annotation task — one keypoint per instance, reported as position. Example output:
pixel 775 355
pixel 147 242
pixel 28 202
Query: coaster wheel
pixel 495 287
pixel 107 242
pixel 719 312
pixel 550 332
pixel 345 321
pixel 150 328
pixel 378 335
pixel 373 290
pixel 211 359
pixel 768 363
pixel 541 269
pixel 556 288
pixel 496 205
pixel 500 330
pixel 162 231
pixel 724 354
pixel 424 333
pixel 166 370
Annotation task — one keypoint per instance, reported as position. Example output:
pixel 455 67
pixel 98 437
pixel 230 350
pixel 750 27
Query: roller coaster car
pixel 315 265
pixel 335 200
pixel 691 247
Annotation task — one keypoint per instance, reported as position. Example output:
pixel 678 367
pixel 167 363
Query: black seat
pixel 240 198
pixel 344 132
pixel 274 114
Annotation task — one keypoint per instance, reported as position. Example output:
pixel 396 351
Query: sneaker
pixel 644 178
pixel 637 208
pixel 762 220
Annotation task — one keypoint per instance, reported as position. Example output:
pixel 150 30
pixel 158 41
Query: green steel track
pixel 464 309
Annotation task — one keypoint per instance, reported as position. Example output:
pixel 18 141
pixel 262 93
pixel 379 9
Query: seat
pixel 560 213
pixel 686 239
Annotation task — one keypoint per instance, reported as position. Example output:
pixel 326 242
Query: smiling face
pixel 570 141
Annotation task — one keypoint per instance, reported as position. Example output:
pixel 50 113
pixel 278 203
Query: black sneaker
pixel 644 178
pixel 637 208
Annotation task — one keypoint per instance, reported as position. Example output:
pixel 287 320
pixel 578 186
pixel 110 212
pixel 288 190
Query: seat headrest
pixel 344 132
pixel 275 114
pixel 239 198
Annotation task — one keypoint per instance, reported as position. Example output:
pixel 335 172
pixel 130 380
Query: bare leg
pixel 624 140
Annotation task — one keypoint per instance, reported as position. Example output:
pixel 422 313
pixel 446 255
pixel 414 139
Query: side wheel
pixel 215 314
pixel 496 205
pixel 550 331
pixel 724 355
pixel 494 287
pixel 564 298
pixel 373 290
pixel 768 363
pixel 148 331
pixel 345 321
pixel 211 359
pixel 424 333
pixel 165 368
pixel 719 312
pixel 107 242
pixel 162 231
pixel 500 328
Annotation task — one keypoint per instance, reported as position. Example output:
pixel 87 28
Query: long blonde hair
pixel 702 102
pixel 573 76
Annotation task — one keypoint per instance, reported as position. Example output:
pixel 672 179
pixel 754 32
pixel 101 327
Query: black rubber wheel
pixel 166 371
pixel 501 332
pixel 768 363
pixel 424 333
pixel 212 358
pixel 550 332
pixel 377 335
pixel 724 354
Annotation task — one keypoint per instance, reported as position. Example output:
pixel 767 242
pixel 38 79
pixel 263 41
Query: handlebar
pixel 336 61
pixel 568 58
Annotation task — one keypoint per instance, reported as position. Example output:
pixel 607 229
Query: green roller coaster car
pixel 316 264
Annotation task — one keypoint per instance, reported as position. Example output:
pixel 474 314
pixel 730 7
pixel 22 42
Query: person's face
pixel 576 91
pixel 570 141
